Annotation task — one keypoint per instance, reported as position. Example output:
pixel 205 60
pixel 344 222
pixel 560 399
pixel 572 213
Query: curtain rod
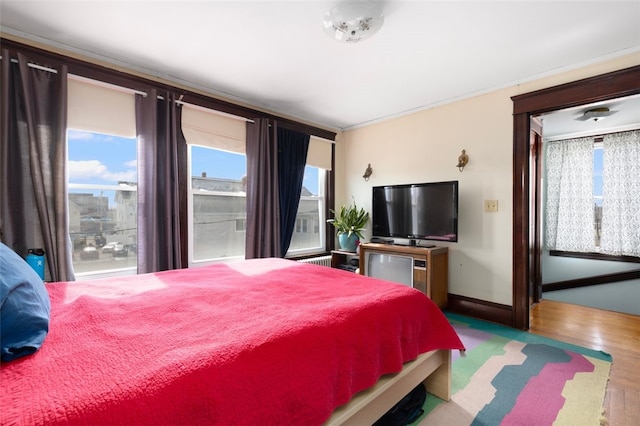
pixel 127 90
pixel 85 79
pixel 138 92
pixel 36 66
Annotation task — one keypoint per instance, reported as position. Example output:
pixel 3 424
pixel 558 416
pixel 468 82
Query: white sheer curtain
pixel 569 221
pixel 621 194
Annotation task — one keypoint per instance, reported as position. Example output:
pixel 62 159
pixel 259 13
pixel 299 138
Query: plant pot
pixel 348 243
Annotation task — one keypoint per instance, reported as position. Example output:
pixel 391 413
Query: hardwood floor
pixel 615 333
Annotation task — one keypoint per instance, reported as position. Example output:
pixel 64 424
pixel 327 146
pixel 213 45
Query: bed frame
pixel 432 368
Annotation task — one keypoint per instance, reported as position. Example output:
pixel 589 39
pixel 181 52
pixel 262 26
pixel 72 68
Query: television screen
pixel 424 211
pixel 390 267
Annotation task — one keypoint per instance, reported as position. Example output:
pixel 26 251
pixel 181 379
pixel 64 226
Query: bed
pixel 263 341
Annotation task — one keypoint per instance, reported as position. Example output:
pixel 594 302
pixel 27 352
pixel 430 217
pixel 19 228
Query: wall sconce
pixel 367 173
pixel 463 159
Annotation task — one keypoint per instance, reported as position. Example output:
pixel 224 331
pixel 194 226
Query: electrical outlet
pixel 490 205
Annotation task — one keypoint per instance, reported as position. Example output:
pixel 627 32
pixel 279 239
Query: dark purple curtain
pixel 292 158
pixel 263 220
pixel 33 155
pixel 162 183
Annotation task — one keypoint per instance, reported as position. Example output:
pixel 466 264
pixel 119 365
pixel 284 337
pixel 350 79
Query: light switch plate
pixel 490 206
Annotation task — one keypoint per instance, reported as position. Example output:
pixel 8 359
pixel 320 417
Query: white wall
pixel 424 147
pixel 623 296
pixel 558 268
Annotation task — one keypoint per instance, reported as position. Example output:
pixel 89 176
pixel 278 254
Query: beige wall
pixel 424 147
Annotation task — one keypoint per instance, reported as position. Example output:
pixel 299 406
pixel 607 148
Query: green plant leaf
pixel 350 219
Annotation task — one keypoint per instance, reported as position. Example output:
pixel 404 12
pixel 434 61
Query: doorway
pixel 526 249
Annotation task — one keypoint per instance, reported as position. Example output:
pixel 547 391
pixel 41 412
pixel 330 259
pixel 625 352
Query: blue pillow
pixel 24 307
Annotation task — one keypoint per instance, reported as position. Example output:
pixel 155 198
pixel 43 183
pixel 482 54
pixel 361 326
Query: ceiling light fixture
pixel 353 21
pixel 596 114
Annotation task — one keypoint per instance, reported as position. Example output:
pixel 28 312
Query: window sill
pixel 595 256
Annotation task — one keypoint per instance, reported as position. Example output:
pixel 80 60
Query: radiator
pixel 320 260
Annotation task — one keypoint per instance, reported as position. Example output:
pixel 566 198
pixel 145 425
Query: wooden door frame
pixel 608 86
pixel 535 198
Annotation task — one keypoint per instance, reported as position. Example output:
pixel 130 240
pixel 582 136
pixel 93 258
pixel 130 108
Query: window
pixel 301 225
pixel 597 192
pixel 102 201
pixel 218 203
pixel 101 102
pixel 217 188
pixel 592 197
pixel 219 209
pixel 309 235
pixel 102 150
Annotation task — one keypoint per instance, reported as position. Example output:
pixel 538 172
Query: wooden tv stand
pixel 432 278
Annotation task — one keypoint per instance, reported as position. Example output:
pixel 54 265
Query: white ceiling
pixel 568 123
pixel 275 56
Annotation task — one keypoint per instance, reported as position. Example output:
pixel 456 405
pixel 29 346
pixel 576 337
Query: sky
pixel 100 159
pixel 597 173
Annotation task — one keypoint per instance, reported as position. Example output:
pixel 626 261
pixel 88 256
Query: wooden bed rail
pixel 433 368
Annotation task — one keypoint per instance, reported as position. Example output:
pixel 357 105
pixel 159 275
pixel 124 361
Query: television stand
pixel 430 270
pixel 342 259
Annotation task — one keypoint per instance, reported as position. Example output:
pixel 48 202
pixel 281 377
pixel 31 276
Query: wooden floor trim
pixel 481 309
pixel 589 281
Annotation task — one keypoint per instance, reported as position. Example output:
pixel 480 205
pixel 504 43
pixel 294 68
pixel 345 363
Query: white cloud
pixel 86 169
pixel 95 170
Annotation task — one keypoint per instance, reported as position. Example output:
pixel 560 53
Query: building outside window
pixel 218 170
pixel 102 201
pixel 597 191
pixel 218 206
pixel 308 236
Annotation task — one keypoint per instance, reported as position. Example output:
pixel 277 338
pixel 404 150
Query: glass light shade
pixel 354 21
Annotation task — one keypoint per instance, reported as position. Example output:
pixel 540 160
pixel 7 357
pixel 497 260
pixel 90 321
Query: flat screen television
pixel 421 211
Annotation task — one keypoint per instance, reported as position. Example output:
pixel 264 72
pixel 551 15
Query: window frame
pixel 595 255
pixel 191 193
pixel 321 199
pixel 101 273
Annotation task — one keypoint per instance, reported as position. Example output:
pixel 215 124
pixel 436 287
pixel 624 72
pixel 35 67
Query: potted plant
pixel 349 222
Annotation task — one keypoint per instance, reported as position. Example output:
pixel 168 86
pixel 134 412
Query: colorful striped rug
pixel 509 377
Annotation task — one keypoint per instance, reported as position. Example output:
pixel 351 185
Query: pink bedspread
pixel 266 341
